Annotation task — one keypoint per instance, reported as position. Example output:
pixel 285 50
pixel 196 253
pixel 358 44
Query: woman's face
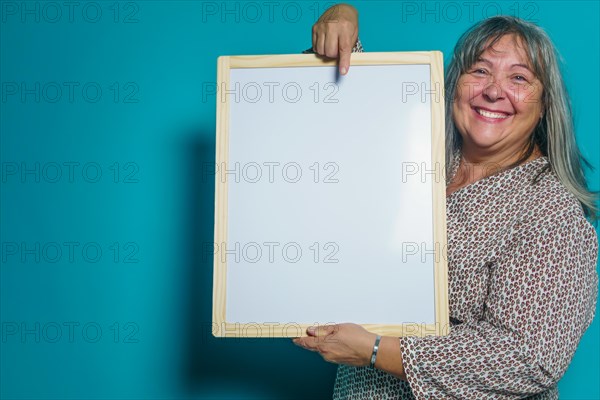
pixel 498 100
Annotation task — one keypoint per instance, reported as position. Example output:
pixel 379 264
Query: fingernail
pixel 344 70
pixel 311 330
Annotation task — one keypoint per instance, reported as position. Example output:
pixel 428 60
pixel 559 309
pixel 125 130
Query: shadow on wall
pixel 240 368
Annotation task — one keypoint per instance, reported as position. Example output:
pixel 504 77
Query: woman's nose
pixel 493 91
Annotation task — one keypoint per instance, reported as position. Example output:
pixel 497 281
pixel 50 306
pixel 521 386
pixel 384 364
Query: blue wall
pixel 105 125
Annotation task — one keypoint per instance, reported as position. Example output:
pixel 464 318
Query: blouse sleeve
pixel 540 301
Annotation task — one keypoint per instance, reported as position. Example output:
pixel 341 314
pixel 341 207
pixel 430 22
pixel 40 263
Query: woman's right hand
pixel 335 33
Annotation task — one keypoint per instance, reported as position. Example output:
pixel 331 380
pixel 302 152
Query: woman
pixel 521 254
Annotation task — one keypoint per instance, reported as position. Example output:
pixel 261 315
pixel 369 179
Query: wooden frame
pixel 224 328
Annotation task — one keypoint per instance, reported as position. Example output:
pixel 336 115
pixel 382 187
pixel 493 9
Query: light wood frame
pixel 223 328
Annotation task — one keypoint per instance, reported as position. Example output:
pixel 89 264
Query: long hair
pixel 555 133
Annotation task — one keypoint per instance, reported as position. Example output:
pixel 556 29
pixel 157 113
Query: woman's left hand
pixel 349 344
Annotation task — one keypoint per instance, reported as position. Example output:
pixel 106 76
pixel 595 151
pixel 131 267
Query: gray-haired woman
pixel 521 254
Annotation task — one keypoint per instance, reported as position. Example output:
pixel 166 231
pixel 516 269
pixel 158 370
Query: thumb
pixel 321 330
pixel 344 61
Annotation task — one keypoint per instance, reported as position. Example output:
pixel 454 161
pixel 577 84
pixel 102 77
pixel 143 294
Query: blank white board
pixel 330 196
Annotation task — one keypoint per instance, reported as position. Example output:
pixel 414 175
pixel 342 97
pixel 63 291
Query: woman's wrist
pixel 389 357
pixel 373 359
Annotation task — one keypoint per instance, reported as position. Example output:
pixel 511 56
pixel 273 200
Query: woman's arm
pixel 541 298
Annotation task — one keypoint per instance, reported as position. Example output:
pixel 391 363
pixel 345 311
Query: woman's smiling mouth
pixel 491 116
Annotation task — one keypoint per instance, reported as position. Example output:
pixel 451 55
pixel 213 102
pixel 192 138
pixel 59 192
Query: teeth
pixel 491 114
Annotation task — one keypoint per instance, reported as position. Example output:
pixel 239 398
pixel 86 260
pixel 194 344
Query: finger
pixel 345 49
pixel 344 61
pixel 299 342
pixel 331 46
pixel 314 38
pixel 321 44
pixel 308 344
pixel 320 331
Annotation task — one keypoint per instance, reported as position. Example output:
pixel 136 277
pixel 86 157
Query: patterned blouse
pixel 522 285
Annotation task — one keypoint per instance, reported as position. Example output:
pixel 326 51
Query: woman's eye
pixel 479 71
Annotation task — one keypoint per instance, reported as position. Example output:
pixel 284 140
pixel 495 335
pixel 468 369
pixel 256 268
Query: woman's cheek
pixel 529 95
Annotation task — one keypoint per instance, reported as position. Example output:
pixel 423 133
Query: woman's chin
pixel 483 142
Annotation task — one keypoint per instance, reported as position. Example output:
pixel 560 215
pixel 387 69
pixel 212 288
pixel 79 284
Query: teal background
pixel 156 292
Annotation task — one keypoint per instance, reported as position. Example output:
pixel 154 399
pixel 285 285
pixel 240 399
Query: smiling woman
pixel 521 253
pixel 498 105
pixel 499 99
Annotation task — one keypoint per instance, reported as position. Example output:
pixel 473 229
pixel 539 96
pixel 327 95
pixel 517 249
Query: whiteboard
pixel 329 195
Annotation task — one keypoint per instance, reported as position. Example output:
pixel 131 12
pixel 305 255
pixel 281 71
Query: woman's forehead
pixel 509 46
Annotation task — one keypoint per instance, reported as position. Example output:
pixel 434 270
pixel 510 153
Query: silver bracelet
pixel 375 349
